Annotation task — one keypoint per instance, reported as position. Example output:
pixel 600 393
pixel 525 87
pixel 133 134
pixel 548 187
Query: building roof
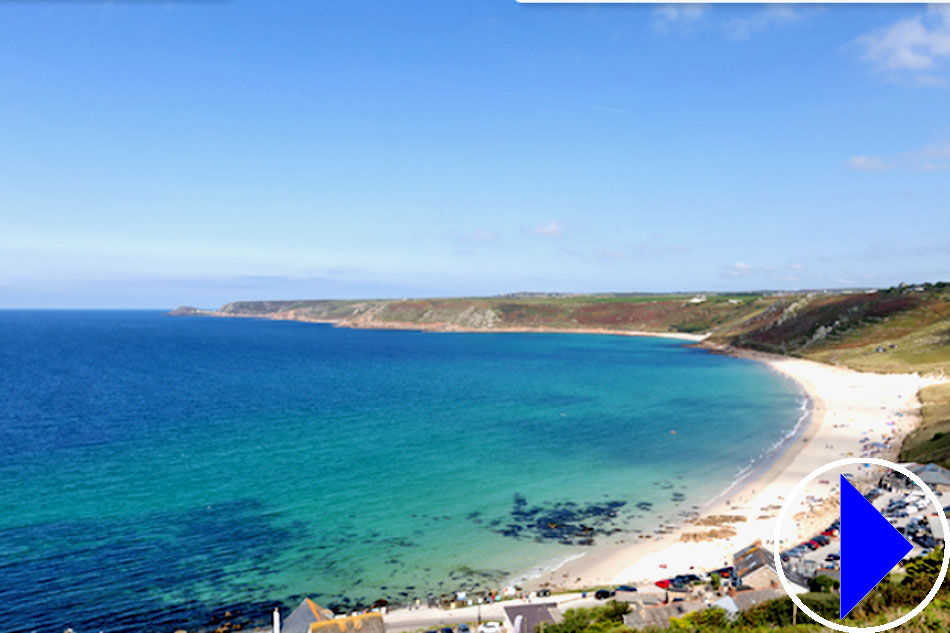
pixel 752 558
pixel 361 623
pixel 748 599
pixel 660 616
pixel 834 574
pixel 306 613
pixel 533 615
pixel 931 474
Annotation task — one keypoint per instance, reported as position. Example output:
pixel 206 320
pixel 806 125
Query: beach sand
pixel 847 406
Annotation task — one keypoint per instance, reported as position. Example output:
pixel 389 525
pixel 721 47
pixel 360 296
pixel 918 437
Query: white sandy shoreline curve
pixel 845 407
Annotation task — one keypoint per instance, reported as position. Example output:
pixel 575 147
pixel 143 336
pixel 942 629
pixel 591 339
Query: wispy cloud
pixel 918 46
pixel 683 19
pixel 670 18
pixel 867 163
pixel 772 15
pixel 738 269
pixel 933 157
pixel 551 229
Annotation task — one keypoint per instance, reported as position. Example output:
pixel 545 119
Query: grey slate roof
pixel 533 615
pixel 306 613
pixel 752 558
pixel 660 616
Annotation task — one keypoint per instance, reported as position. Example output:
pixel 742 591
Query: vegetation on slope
pixel 659 313
pixel 885 603
pixel 899 329
pixel 930 442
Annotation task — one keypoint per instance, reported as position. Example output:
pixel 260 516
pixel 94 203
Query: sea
pixel 158 472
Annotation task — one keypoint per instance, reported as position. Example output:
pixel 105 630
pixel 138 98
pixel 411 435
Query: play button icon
pixel 870 547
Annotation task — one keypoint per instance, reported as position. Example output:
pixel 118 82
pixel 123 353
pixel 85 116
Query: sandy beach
pixel 846 407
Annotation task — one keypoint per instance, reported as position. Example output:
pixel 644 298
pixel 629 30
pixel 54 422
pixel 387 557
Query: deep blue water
pixel 155 471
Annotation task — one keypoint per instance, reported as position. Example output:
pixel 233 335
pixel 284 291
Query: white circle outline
pixel 800 486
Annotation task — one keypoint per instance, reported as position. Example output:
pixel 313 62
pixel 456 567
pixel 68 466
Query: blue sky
pixel 157 154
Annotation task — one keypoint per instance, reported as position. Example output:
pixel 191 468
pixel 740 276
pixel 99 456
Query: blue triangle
pixel 870 547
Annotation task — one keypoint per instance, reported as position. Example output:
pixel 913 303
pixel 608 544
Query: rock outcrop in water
pixel 561 522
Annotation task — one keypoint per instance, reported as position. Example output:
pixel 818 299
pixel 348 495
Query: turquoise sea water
pixel 155 471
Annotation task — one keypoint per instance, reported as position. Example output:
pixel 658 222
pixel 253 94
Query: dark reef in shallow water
pixel 562 522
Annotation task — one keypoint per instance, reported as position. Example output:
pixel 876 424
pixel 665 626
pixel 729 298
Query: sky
pixel 154 154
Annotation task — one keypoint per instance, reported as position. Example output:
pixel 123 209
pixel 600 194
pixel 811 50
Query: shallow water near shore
pixel 155 471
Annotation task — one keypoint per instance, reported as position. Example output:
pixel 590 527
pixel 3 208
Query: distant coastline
pixel 368 324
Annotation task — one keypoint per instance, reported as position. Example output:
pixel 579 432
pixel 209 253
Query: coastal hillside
pixel 899 329
pixel 673 313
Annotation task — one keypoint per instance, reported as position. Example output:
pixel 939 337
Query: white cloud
pixel 739 269
pixel 687 18
pixel 475 236
pixel 867 163
pixel 933 157
pixel 677 17
pixel 913 45
pixel 551 229
pixel 772 15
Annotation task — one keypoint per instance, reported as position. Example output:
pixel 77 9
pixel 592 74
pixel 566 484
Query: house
pixel 307 612
pixel 659 617
pixel 309 617
pixel 530 618
pixel 755 568
pixel 362 623
pixel 743 600
pixel 936 477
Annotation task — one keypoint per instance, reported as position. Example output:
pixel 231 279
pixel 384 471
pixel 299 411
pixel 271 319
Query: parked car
pixel 603 594
pixel 463 628
pixel 833 557
pixel 626 588
pixel 490 627
pixel 544 593
pixel 724 572
pixel 446 629
pixel 663 584
pixel 687 578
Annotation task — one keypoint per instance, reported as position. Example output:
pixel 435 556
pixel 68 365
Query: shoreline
pixel 439 327
pixel 845 406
